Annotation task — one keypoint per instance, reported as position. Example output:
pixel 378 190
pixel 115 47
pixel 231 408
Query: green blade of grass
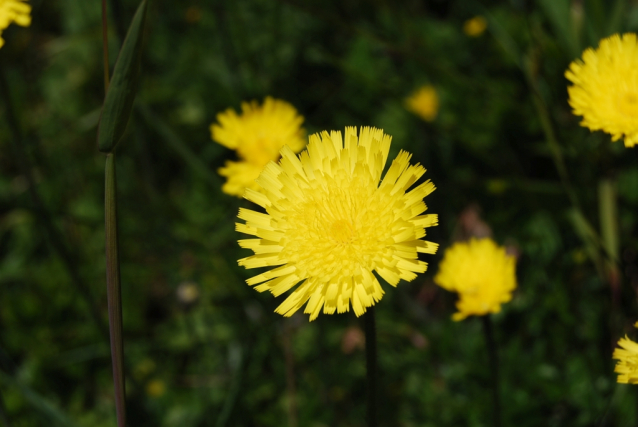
pixel 123 86
pixel 113 288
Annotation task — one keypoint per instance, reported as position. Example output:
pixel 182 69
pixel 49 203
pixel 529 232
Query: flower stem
pixel 371 366
pixel 113 289
pixel 493 361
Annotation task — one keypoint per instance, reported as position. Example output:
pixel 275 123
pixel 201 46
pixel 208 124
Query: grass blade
pixel 123 87
pixel 113 288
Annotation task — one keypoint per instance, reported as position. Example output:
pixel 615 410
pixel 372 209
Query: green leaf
pixel 121 93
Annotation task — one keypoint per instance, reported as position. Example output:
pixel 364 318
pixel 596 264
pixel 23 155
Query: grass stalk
pixel 289 360
pixel 492 354
pixel 371 366
pixel 113 288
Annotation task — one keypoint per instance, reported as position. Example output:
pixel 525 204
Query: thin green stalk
pixel 608 214
pixel 290 374
pixel 493 361
pixel 371 366
pixel 43 216
pixel 113 288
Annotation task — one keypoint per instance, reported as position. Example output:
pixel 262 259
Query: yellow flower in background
pixel 482 274
pixel 424 102
pixel 605 90
pixel 331 221
pixel 13 11
pixel 155 388
pixel 474 27
pixel 257 135
pixel 627 356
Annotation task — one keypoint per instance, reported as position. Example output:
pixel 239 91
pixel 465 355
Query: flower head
pixel 257 135
pixel 482 274
pixel 474 27
pixel 605 90
pixel 13 11
pixel 424 102
pixel 332 222
pixel 627 356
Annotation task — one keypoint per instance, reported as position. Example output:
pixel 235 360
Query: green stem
pixel 113 288
pixel 290 374
pixel 493 361
pixel 371 366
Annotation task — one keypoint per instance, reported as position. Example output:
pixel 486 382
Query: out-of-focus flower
pixel 155 388
pixel 257 135
pixel 13 11
pixel 424 102
pixel 605 90
pixel 331 221
pixel 627 356
pixel 481 272
pixel 474 27
pixel 187 293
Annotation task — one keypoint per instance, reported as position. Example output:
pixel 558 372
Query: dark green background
pixel 224 360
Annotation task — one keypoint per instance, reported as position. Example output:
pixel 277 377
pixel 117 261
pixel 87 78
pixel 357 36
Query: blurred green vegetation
pixel 203 348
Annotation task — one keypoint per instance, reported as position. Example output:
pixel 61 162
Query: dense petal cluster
pixel 424 102
pixel 257 135
pixel 605 90
pixel 627 356
pixel 481 272
pixel 13 11
pixel 332 221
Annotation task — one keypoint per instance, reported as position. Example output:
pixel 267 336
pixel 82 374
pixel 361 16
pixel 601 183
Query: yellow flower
pixel 474 27
pixel 481 272
pixel 13 11
pixel 627 356
pixel 331 221
pixel 155 388
pixel 424 102
pixel 257 135
pixel 605 90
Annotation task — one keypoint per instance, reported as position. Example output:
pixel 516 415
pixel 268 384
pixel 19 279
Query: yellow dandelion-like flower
pixel 474 27
pixel 424 102
pixel 257 135
pixel 605 90
pixel 627 356
pixel 482 274
pixel 332 221
pixel 13 11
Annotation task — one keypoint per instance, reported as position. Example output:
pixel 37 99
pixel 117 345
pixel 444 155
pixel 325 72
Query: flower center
pixel 628 104
pixel 342 232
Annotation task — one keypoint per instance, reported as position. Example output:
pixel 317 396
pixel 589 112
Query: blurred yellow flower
pixel 482 274
pixel 331 221
pixel 474 27
pixel 155 388
pixel 605 90
pixel 627 356
pixel 424 102
pixel 257 135
pixel 13 11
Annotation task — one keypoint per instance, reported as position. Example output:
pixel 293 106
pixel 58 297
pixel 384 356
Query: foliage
pixel 223 357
